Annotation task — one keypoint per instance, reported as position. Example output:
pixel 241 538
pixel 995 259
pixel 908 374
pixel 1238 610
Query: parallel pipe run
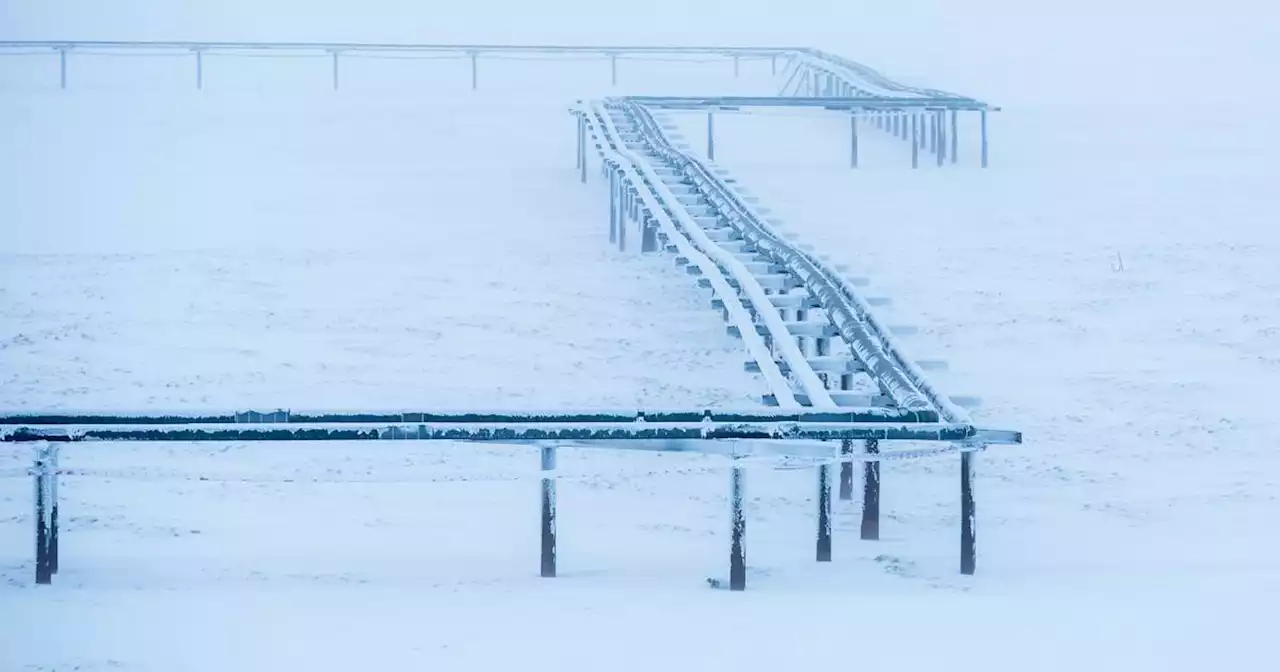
pixel 584 417
pixel 867 341
pixel 780 337
pixel 613 150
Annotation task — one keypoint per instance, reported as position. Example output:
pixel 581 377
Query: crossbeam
pixel 603 50
pixel 514 432
pixel 586 417
pixel 730 103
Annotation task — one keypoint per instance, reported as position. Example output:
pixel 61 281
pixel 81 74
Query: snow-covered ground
pixel 1129 533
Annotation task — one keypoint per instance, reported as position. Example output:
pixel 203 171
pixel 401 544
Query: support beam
pixel 613 69
pixel 968 513
pixel 581 131
pixel 737 529
pixel 40 469
pixel 199 69
pixel 475 71
pixel 871 493
pixel 955 136
pixel 335 71
pixel 54 459
pixel 548 511
pixel 582 150
pixel 853 140
pixel 62 66
pixel 773 65
pixel 711 136
pixel 984 138
pixel 915 146
pixel 615 206
pixel 942 137
pixel 648 236
pixel 933 131
pixel 846 470
pixel 824 513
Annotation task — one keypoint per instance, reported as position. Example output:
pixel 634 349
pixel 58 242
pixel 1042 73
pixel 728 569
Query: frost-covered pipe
pixel 781 336
pixel 611 144
pixel 863 337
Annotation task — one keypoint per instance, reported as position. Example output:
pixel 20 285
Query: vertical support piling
pixel 648 236
pixel 40 471
pixel 846 470
pixel 614 206
pixel 199 70
pixel 737 529
pixel 613 69
pixel 54 458
pixel 955 135
pixel 942 137
pixel 773 65
pixel 853 140
pixel 711 136
pixel 622 224
pixel 736 66
pixel 62 66
pixel 915 146
pixel 824 513
pixel 984 138
pixel 968 513
pixel 582 149
pixel 475 71
pixel 933 131
pixel 577 157
pixel 548 511
pixel 335 70
pixel 871 493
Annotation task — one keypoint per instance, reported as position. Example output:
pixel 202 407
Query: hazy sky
pixel 1009 48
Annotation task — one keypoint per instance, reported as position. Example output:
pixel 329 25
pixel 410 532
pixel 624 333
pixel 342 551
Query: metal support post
pixel 853 140
pixel 773 65
pixel 622 224
pixel 736 66
pixel 577 156
pixel 897 123
pixel 915 146
pixel 737 529
pixel 871 493
pixel 984 138
pixel 648 236
pixel 614 206
pixel 613 69
pixel 475 71
pixel 846 470
pixel 335 70
pixel 199 69
pixel 933 132
pixel 582 151
pixel 955 136
pixel 548 511
pixel 968 536
pixel 711 136
pixel 824 513
pixel 942 137
pixel 922 129
pixel 62 65
pixel 54 459
pixel 40 472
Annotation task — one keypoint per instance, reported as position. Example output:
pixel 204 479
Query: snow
pixel 1129 533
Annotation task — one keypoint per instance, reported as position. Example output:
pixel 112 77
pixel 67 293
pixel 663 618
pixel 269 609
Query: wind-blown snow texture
pixel 1131 532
